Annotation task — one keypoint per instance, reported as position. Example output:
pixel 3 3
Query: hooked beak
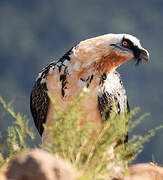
pixel 144 55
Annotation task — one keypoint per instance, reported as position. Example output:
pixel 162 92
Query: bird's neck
pixel 96 59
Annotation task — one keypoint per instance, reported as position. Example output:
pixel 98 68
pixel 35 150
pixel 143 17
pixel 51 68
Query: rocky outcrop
pixel 146 171
pixel 40 165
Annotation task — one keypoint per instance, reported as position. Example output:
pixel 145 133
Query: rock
pixel 41 165
pixel 145 171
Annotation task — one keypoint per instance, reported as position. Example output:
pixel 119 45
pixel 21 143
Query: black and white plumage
pixel 92 63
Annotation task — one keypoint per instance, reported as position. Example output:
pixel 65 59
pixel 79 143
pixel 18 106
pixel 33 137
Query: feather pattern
pixel 91 64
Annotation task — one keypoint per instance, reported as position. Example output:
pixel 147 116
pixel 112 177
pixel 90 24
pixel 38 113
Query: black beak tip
pixel 144 55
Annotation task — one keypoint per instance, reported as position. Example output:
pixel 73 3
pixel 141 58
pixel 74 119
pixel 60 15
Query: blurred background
pixel 33 33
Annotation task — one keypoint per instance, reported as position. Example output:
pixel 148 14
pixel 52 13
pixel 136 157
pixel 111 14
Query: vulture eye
pixel 124 43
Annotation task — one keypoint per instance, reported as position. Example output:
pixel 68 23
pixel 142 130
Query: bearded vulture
pixel 91 63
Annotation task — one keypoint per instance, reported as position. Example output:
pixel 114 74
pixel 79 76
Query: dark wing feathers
pixel 104 105
pixel 39 102
pixel 119 96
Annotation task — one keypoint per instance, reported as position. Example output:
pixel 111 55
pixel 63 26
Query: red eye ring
pixel 125 43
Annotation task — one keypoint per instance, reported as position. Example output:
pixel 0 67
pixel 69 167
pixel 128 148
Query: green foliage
pixel 94 155
pixel 18 134
pixel 92 149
